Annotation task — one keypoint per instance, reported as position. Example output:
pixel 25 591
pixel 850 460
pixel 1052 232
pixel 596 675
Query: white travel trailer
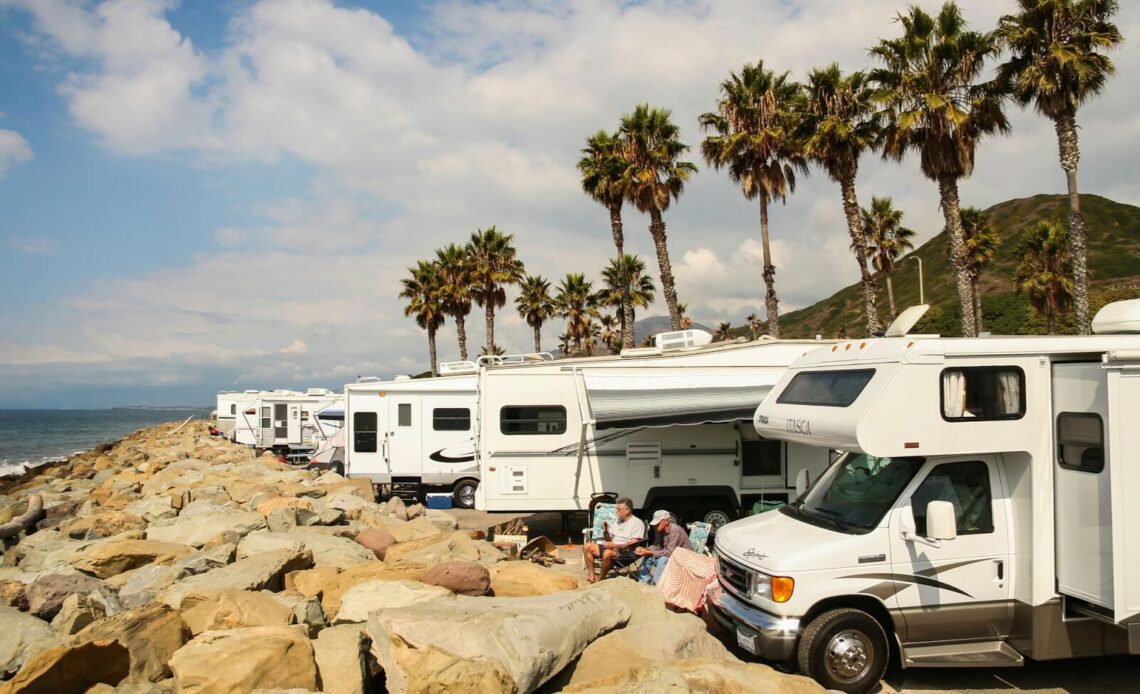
pixel 285 420
pixel 231 405
pixel 984 511
pixel 414 436
pixel 554 434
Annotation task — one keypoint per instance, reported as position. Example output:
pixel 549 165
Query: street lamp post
pixel 921 293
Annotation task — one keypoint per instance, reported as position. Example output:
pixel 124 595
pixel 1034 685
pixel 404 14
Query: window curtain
pixel 953 394
pixel 1009 390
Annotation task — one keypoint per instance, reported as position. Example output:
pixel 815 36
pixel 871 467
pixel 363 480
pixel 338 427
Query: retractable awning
pixel 652 400
pixel 333 413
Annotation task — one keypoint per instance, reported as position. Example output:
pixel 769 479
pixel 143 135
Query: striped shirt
pixel 673 537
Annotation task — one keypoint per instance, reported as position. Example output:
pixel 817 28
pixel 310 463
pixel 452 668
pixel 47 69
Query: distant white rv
pixel 285 420
pixel 411 437
pixel 667 426
pixel 231 405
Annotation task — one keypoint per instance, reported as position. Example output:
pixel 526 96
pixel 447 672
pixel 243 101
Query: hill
pixel 1113 259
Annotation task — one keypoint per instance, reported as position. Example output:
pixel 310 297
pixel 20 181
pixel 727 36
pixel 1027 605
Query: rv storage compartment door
pixel 1124 467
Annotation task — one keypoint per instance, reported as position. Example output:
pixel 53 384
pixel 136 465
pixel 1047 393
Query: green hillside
pixel 1114 269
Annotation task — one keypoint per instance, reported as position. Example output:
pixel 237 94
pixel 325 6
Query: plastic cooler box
pixel 440 501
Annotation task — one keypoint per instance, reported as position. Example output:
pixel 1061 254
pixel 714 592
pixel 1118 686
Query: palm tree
pixel 839 122
pixel 493 266
pixel 754 325
pixel 654 178
pixel 723 332
pixel 627 275
pixel 423 290
pixel 576 302
pixel 934 105
pixel 566 343
pixel 494 350
pixel 455 278
pixel 603 167
pixel 609 332
pixel 885 240
pixel 755 141
pixel 535 305
pixel 1042 270
pixel 1056 64
pixel 982 242
pixel 685 322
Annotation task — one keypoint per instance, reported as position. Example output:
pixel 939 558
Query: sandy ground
pixel 1119 675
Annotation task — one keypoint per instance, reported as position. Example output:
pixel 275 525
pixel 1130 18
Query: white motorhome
pixel 231 407
pixel 553 434
pixel 414 436
pixel 984 511
pixel 285 420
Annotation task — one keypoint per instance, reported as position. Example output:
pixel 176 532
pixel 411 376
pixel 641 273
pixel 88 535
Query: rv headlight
pixel 774 588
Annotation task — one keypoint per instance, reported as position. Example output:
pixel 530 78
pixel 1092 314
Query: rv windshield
pixel 855 492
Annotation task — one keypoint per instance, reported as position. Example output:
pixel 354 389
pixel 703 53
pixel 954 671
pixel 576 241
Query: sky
pixel 206 196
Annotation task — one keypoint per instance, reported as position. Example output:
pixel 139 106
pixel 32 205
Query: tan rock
pixel 453 546
pixel 242 660
pixel 260 572
pixel 108 559
pixel 151 634
pixel 375 540
pixel 232 609
pixel 431 669
pixel 415 529
pixel 365 598
pixel 336 587
pixel 106 524
pixel 516 579
pixel 71 668
pixel 460 577
pixel 267 507
pixel 311 582
pixel 343 659
pixel 711 675
pixel 13 594
pixel 22 636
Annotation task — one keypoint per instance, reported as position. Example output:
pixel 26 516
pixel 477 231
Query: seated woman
pixel 668 537
pixel 618 537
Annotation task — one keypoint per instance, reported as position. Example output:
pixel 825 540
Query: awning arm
pixel 583 416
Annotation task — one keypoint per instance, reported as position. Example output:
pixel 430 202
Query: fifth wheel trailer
pixel 985 511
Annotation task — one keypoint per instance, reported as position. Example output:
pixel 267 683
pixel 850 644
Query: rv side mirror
pixel 940 521
pixel 802 482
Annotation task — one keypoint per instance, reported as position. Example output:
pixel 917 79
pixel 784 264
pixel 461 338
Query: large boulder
pixel 337 585
pixel 453 546
pixel 414 530
pixel 151 635
pixel 310 582
pixel 107 559
pixel 519 579
pixel 375 540
pixel 343 660
pixel 71 668
pixel 711 675
pixel 198 525
pixel 47 593
pixel 106 524
pixel 138 587
pixel 527 639
pixel 460 577
pixel 242 660
pixel 232 609
pixel 328 550
pixel 21 636
pixel 264 571
pixel 365 598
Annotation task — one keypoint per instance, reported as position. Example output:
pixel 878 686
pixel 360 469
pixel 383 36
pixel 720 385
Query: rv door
pixel 293 428
pixel 1123 460
pixel 404 437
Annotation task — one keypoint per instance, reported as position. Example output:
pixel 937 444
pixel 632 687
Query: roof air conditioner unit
pixel 1118 317
pixel 457 367
pixel 368 379
pixel 318 391
pixel 682 339
pixel 402 377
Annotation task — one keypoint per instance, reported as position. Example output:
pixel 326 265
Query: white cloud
pixel 296 347
pixel 14 150
pixel 32 245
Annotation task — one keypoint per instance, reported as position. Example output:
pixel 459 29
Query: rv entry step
pixel 981 654
pixel 407 488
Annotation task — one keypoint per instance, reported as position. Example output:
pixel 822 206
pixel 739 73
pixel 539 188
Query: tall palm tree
pixel 423 290
pixel 576 302
pixel 885 240
pixel 1057 63
pixel 838 121
pixel 535 304
pixel 935 105
pixel 982 242
pixel 755 141
pixel 603 165
pixel 654 178
pixel 627 275
pixel 1042 270
pixel 754 325
pixel 723 332
pixel 494 265
pixel 609 332
pixel 455 279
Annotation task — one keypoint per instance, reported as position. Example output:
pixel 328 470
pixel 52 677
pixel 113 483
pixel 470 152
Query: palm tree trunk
pixel 771 302
pixel 891 295
pixel 1070 153
pixel 657 231
pixel 489 315
pixel 951 211
pixel 431 352
pixel 625 309
pixel 977 303
pixel 461 331
pixel 537 339
pixel 858 244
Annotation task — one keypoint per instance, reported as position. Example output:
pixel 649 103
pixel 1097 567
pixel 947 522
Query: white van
pixel 984 511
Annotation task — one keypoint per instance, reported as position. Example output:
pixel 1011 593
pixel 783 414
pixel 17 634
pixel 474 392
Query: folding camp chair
pixel 699 536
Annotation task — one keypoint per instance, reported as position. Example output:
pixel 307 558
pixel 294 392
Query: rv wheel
pixel 716 515
pixel 464 494
pixel 844 649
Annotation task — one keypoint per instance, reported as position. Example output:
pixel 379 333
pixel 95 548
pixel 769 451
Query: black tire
pixel 845 650
pixel 716 515
pixel 338 468
pixel 464 494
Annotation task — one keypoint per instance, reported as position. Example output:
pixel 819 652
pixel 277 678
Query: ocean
pixel 39 436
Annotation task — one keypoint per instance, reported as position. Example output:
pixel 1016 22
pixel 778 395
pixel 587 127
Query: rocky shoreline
pixel 171 561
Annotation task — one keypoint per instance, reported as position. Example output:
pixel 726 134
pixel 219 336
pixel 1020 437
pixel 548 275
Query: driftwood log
pixel 29 518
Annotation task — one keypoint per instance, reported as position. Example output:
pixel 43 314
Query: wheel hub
pixel 848 655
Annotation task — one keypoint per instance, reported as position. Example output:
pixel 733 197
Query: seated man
pixel 668 537
pixel 618 537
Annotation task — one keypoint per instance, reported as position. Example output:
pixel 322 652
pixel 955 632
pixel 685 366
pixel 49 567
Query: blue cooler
pixel 440 501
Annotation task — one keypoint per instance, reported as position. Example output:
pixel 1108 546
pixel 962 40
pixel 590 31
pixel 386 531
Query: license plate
pixel 746 641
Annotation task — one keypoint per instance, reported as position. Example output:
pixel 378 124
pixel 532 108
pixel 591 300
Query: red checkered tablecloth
pixel 686 577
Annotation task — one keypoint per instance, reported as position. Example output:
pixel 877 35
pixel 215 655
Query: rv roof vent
pixel 682 339
pixel 318 391
pixel 1118 317
pixel 368 379
pixel 499 359
pixel 253 390
pixel 457 367
pixel 402 377
pixel 641 352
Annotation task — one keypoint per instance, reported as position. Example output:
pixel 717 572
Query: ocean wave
pixel 11 468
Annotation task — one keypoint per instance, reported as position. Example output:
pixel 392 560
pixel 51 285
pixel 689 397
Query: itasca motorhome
pixel 985 510
pixel 552 434
pixel 414 436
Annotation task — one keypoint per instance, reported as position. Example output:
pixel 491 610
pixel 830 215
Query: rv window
pixel 266 419
pixel 451 419
pixel 233 408
pixel 532 420
pixel 364 432
pixel 966 485
pixel 404 414
pixel 1080 441
pixel 827 388
pixel 761 458
pixel 983 393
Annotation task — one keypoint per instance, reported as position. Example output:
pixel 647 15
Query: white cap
pixel 660 515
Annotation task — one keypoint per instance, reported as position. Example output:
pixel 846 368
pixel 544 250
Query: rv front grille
pixel 732 575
